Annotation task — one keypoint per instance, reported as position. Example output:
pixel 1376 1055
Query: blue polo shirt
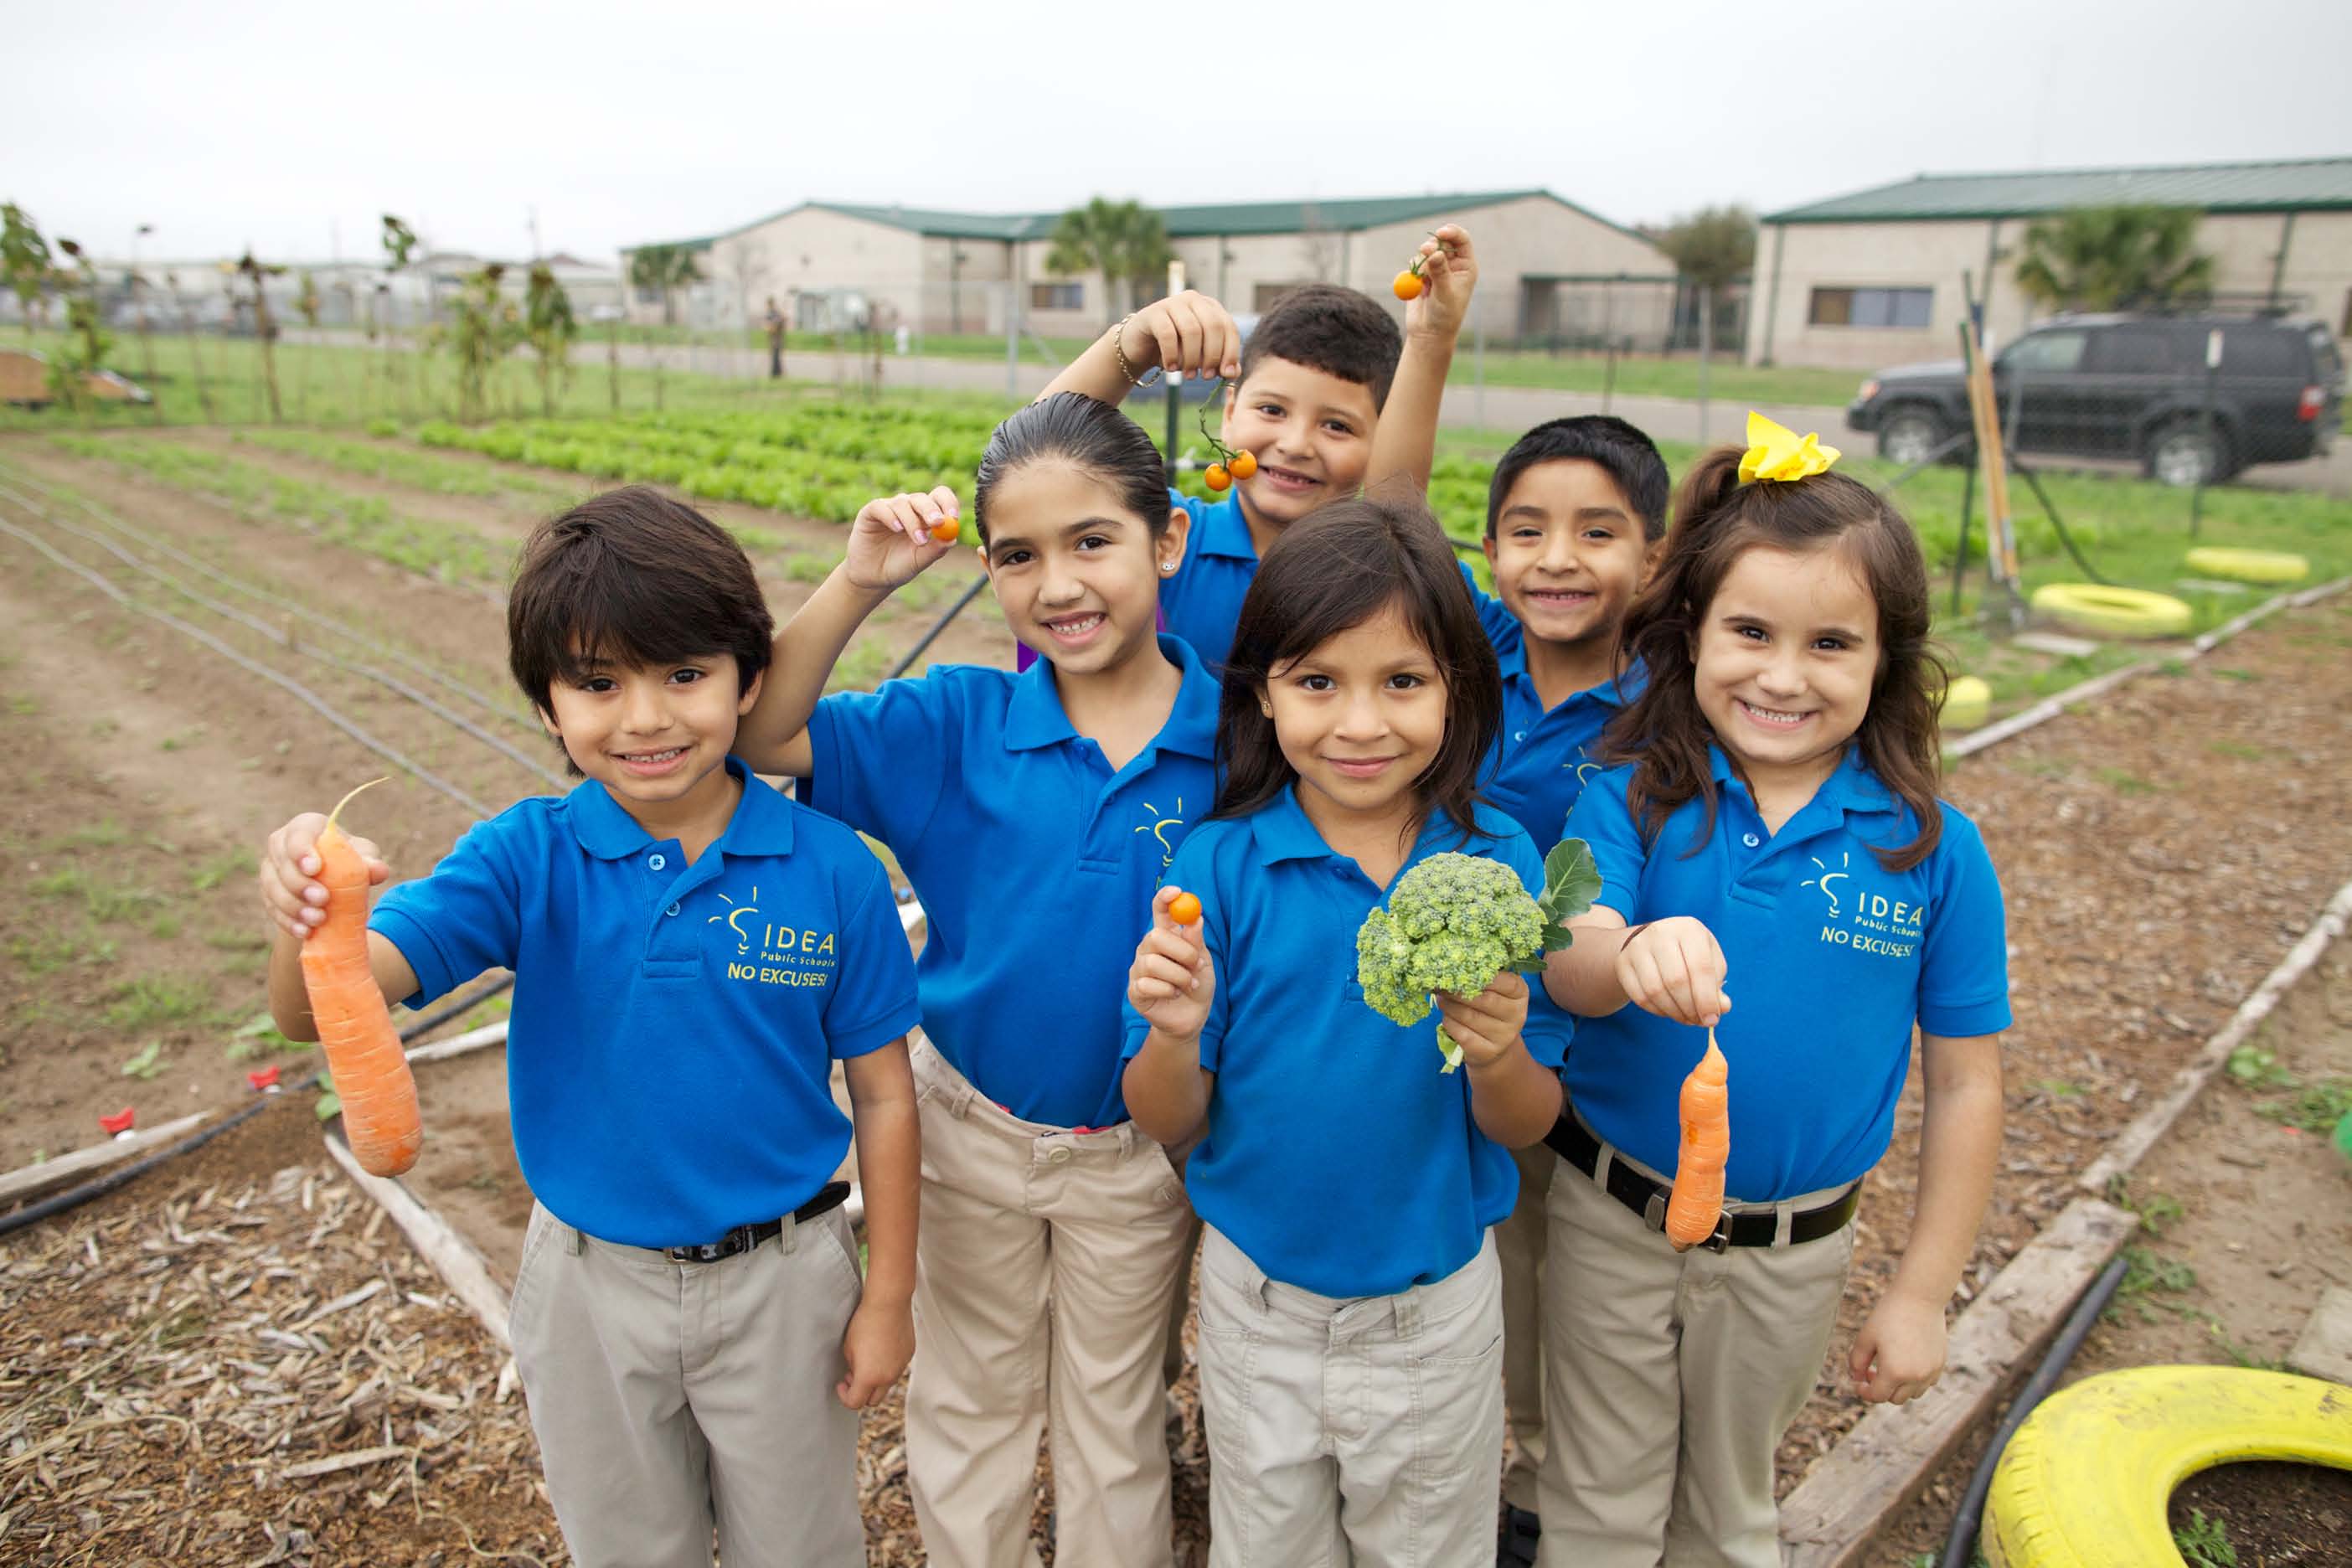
pixel 1203 601
pixel 1035 862
pixel 1829 960
pixel 674 1026
pixel 1339 1156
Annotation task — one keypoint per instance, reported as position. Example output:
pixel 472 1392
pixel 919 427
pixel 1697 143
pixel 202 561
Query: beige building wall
pixel 1934 254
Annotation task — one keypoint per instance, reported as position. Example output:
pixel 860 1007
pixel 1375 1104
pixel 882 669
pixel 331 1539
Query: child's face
pixel 1310 431
pixel 653 735
pixel 1361 716
pixel 1568 552
pixel 1786 656
pixel 1078 573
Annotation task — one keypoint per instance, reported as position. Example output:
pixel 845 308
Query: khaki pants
pixel 1043 1271
pixel 674 1399
pixel 1671 1378
pixel 1364 1432
pixel 1519 1246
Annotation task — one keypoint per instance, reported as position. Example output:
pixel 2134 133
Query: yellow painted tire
pixel 2121 612
pixel 2086 1481
pixel 2247 566
pixel 1968 703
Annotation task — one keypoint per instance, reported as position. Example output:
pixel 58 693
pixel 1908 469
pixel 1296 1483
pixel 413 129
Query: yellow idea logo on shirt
pixel 1862 920
pixel 1158 825
pixel 787 954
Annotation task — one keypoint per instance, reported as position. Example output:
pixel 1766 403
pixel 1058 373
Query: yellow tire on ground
pixel 1968 703
pixel 2084 1482
pixel 2247 566
pixel 2118 612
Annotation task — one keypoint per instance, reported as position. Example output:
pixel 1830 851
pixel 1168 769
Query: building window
pixel 1872 307
pixel 1057 296
pixel 648 295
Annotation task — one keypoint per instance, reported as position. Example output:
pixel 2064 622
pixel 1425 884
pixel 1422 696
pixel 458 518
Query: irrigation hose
pixel 1961 1543
pixel 971 591
pixel 99 1186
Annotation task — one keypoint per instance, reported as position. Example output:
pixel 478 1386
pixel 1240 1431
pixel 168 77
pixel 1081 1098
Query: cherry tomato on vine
pixel 1185 910
pixel 1218 478
pixel 947 530
pixel 1242 465
pixel 1408 284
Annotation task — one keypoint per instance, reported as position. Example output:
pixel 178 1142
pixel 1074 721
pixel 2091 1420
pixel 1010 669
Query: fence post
pixel 1478 374
pixel 2212 448
pixel 1706 349
pixel 1608 373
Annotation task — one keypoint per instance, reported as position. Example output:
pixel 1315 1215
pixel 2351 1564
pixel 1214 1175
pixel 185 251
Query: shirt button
pixel 1750 840
pixel 671 911
pixel 1058 1155
pixel 656 862
pixel 1518 734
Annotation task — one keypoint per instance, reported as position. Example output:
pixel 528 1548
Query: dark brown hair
pixel 1336 331
pixel 1087 434
pixel 631 577
pixel 1338 568
pixel 1717 519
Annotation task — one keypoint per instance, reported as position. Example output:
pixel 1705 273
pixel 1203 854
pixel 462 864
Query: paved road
pixel 1507 408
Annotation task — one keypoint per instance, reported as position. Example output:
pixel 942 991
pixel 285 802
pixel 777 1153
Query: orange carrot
pixel 1698 1200
pixel 363 1054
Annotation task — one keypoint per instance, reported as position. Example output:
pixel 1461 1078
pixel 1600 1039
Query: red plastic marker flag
pixel 119 1122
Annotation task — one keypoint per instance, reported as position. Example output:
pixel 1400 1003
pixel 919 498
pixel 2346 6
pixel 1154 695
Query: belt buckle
pixel 727 1246
pixel 1654 1214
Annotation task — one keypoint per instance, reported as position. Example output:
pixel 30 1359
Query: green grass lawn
pixel 1651 375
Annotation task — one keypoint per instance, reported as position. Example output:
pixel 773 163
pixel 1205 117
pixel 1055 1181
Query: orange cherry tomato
pixel 1185 910
pixel 1217 478
pixel 1243 465
pixel 1408 285
pixel 946 530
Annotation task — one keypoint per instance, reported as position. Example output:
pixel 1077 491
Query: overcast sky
pixel 271 124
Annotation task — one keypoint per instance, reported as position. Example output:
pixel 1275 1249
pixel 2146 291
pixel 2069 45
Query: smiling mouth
pixel 651 761
pixel 1075 628
pixel 1287 479
pixel 1562 598
pixel 1360 768
pixel 1770 718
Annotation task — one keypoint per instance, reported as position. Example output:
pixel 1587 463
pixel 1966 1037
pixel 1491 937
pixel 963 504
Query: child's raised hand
pixel 892 540
pixel 1449 275
pixel 1186 334
pixel 1487 1025
pixel 1899 1353
pixel 292 895
pixel 1173 980
pixel 1675 968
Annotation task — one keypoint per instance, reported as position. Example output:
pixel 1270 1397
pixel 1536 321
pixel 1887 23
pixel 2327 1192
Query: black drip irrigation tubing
pixel 1960 1544
pixel 99 1186
pixel 277 602
pixel 256 624
pixel 971 591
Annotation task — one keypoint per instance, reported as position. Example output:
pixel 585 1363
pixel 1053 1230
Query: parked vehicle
pixel 2130 387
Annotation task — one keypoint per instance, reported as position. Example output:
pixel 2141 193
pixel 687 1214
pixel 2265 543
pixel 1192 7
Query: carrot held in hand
pixel 1697 1199
pixel 363 1054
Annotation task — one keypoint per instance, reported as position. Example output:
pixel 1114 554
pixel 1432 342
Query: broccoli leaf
pixel 1571 884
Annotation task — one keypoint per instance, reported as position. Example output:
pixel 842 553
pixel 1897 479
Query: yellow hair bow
pixel 1777 452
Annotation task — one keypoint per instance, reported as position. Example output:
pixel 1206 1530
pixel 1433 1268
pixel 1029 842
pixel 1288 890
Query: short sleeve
pixel 1194 872
pixel 1964 959
pixel 1501 627
pixel 464 916
pixel 873 999
pixel 1601 819
pixel 1550 1027
pixel 881 758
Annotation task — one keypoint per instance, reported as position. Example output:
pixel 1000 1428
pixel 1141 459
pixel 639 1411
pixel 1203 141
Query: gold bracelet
pixel 1119 352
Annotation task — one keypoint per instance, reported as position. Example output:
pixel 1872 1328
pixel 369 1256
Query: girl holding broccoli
pixel 1350 1313
pixel 1776 831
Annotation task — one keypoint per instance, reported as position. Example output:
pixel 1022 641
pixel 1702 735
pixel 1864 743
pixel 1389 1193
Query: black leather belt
pixel 744 1238
pixel 1574 1143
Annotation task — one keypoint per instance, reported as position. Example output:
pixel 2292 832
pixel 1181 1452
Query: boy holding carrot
pixel 692 952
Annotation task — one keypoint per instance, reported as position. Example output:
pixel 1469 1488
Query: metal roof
pixel 2293 186
pixel 1341 216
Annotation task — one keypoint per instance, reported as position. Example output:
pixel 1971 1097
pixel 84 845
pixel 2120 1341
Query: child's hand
pixel 1486 1027
pixel 1899 1354
pixel 1449 273
pixel 294 900
pixel 891 541
pixel 878 1345
pixel 1190 332
pixel 1673 968
pixel 1172 981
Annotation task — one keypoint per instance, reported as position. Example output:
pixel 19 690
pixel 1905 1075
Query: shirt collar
pixel 1853 787
pixel 1222 530
pixel 1616 691
pixel 1283 832
pixel 762 823
pixel 1035 718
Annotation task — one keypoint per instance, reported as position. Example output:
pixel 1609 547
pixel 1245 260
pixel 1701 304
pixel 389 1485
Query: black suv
pixel 2130 386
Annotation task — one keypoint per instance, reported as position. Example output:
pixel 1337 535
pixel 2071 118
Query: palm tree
pixel 668 268
pixel 1125 241
pixel 2105 258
